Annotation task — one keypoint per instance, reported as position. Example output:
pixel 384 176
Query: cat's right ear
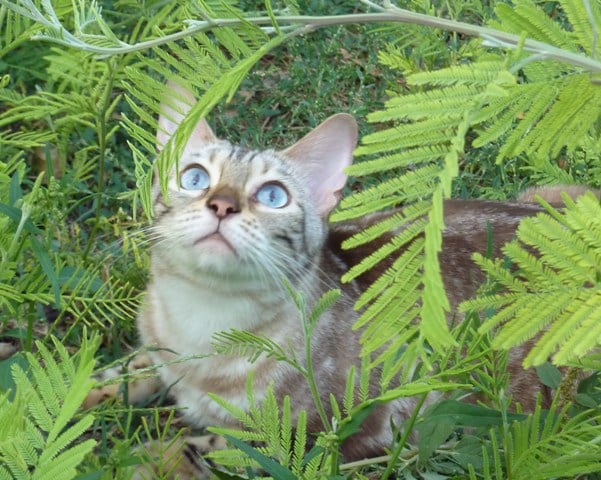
pixel 323 155
pixel 177 104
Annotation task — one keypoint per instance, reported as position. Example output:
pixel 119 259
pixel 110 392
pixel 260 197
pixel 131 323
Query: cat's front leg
pixel 182 458
pixel 139 388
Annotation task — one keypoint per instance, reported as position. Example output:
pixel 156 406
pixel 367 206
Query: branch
pixel 296 24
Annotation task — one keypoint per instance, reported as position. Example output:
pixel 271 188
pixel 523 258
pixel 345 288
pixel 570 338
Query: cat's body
pixel 236 223
pixel 219 263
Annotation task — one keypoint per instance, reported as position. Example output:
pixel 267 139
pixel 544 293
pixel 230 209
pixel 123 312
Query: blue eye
pixel 272 195
pixel 194 178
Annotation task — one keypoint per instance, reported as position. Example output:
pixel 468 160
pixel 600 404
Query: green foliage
pixel 266 425
pixel 283 441
pixel 77 149
pixel 530 108
pixel 423 151
pixel 39 418
pixel 556 287
pixel 545 445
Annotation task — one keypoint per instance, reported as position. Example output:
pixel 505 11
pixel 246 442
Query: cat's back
pixel 471 226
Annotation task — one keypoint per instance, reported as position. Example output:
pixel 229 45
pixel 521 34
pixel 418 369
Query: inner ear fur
pixel 323 155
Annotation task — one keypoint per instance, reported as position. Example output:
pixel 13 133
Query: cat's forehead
pixel 235 163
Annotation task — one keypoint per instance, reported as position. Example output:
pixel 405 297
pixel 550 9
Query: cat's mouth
pixel 216 243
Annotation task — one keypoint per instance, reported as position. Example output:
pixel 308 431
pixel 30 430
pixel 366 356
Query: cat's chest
pixel 184 316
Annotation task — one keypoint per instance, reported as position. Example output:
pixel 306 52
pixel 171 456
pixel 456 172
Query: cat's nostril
pixel 223 205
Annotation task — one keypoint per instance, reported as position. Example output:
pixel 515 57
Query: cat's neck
pixel 204 303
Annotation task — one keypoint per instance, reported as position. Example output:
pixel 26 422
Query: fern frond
pixel 92 301
pixel 481 74
pixel 535 451
pixel 584 19
pixel 557 259
pixel 247 344
pixel 42 445
pixel 269 423
pixel 438 140
pixel 404 158
pixel 441 103
pixel 525 16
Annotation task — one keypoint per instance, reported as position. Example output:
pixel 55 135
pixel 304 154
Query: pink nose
pixel 223 205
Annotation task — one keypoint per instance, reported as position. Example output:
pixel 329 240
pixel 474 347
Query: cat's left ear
pixel 177 104
pixel 323 154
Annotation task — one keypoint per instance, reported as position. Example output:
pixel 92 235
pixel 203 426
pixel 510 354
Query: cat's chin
pixel 215 244
pixel 216 256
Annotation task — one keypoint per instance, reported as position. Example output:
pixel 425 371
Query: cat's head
pixel 238 212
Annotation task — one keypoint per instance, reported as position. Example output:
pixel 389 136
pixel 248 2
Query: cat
pixel 236 222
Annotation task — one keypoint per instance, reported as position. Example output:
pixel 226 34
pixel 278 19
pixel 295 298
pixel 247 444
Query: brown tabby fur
pixel 216 278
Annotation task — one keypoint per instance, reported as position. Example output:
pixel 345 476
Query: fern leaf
pixel 408 261
pixel 80 384
pixel 393 223
pixel 37 408
pixel 569 440
pixel 562 294
pixel 432 131
pixel 584 18
pixel 441 103
pixel 270 425
pixel 49 381
pixel 284 434
pixel 533 317
pixel 101 303
pixel 374 336
pixel 483 74
pixel 496 270
pixel 526 17
pixel 576 92
pixel 582 313
pixel 324 303
pixel 416 184
pixel 300 443
pixel 501 114
pixel 397 242
pixel 402 159
pixel 66 462
pixel 247 344
pixel 535 106
pixel 41 445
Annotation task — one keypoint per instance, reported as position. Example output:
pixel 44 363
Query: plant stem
pixel 310 373
pixel 102 132
pixel 308 327
pixel 401 443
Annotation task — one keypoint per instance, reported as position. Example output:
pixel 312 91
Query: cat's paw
pixel 139 388
pixel 7 349
pixel 182 458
